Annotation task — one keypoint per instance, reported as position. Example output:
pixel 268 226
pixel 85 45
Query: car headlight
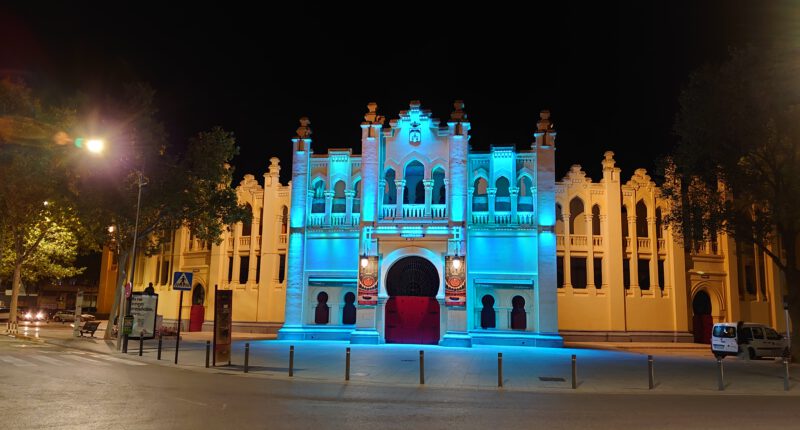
pixel 40 315
pixel 28 315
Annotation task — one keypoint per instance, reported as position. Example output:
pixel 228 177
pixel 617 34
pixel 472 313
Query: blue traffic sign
pixel 182 281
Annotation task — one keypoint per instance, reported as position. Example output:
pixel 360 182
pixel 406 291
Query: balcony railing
pixel 503 218
pixel 577 240
pixel 244 241
pixel 439 211
pixel 643 243
pixel 282 239
pixel 413 211
pixel 336 220
pixel 597 241
pixel 662 247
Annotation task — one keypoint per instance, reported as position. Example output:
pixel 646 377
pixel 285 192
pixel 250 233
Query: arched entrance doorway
pixel 702 322
pixel 198 312
pixel 412 312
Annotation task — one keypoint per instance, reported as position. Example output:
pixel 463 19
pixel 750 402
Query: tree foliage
pixel 736 168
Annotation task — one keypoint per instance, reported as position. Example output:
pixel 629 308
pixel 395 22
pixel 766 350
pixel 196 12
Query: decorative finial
pixel 304 131
pixel 458 112
pixel 372 116
pixel 544 123
pixel 415 104
pixel 608 160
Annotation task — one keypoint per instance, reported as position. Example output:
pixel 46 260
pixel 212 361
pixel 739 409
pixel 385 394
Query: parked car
pixel 750 340
pixel 67 316
pixel 5 314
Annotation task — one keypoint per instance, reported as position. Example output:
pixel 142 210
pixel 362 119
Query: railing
pixel 230 242
pixel 560 240
pixel 258 241
pixel 338 219
pixel 244 241
pixel 413 211
pixel 525 217
pixel 439 211
pixel 316 220
pixel 597 241
pixel 480 218
pixel 502 218
pixel 627 243
pixel 661 245
pixel 388 211
pixel 577 240
pixel 282 239
pixel 643 242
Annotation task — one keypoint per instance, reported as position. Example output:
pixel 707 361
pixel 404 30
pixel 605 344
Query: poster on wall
pixel 143 310
pixel 368 281
pixel 223 325
pixel 455 293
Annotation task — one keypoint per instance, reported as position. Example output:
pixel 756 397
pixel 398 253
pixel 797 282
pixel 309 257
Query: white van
pixel 751 340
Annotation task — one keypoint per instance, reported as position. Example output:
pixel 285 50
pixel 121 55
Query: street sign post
pixel 181 281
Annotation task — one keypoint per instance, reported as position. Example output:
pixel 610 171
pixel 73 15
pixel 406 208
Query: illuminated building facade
pixel 418 239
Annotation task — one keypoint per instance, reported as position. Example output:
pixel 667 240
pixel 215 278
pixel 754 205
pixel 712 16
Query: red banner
pixel 368 280
pixel 455 286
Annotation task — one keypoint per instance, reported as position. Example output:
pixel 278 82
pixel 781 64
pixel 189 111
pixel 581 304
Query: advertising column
pixel 223 313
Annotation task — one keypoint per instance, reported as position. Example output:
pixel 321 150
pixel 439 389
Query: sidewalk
pixel 601 367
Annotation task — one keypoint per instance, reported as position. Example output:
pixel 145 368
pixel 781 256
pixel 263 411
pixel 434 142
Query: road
pixel 46 386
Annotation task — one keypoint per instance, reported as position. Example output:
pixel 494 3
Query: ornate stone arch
pixel 388 261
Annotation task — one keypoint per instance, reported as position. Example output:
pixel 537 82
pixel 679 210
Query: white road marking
pixel 118 360
pixel 86 360
pixel 16 361
pixel 49 360
pixel 191 401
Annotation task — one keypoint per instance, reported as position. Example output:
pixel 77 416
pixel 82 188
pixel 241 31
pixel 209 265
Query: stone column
pixel 295 282
pixel 590 253
pixel 382 188
pixel 653 266
pixel 400 185
pixel 491 193
pixel 567 254
pixel 328 206
pixel 428 184
pixel 513 192
pixel 634 263
pixel 348 211
pixel 307 209
pixel 470 191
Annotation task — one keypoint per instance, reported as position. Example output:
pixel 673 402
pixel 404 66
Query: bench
pixel 89 327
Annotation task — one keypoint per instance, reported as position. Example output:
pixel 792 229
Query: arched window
pixel 596 220
pixel 502 200
pixel 641 219
pixel 487 313
pixel 414 192
pixel 349 311
pixel 577 219
pixel 357 197
pixel 339 201
pixel 659 224
pixel 322 310
pixel 439 190
pixel 480 201
pixel 559 220
pixel 390 196
pixel 247 226
pixel 318 201
pixel 525 196
pixel 518 314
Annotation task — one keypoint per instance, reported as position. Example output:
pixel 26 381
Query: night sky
pixel 609 72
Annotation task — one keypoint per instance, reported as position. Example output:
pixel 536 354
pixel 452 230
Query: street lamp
pixel 140 181
pixel 95 146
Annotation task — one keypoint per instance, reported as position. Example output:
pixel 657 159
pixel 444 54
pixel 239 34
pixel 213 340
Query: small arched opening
pixel 322 310
pixel 518 314
pixel 488 318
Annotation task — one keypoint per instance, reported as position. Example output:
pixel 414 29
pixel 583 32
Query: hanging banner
pixel 143 309
pixel 455 291
pixel 368 281
pixel 223 325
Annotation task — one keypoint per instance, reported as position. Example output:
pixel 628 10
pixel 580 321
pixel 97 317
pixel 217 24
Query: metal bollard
pixel 650 376
pixel 291 360
pixel 141 343
pixel 721 379
pixel 785 374
pixel 500 369
pixel 246 357
pixel 159 346
pixel 208 352
pixel 347 365
pixel 574 371
pixel 422 367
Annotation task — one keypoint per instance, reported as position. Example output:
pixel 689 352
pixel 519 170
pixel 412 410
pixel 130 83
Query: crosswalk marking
pixel 49 360
pixel 86 360
pixel 118 360
pixel 16 361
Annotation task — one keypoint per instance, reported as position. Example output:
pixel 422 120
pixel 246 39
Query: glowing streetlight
pixel 95 146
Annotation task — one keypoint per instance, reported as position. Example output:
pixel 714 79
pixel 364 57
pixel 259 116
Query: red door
pixel 702 325
pixel 412 319
pixel 196 317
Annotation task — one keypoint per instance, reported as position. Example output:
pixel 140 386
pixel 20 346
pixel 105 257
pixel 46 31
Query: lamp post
pixel 140 181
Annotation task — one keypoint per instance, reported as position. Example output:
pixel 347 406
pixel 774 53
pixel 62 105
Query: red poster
pixel 455 291
pixel 368 280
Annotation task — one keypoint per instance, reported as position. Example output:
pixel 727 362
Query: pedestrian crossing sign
pixel 182 281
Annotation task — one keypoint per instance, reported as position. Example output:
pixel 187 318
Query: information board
pixel 143 309
pixel 223 325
